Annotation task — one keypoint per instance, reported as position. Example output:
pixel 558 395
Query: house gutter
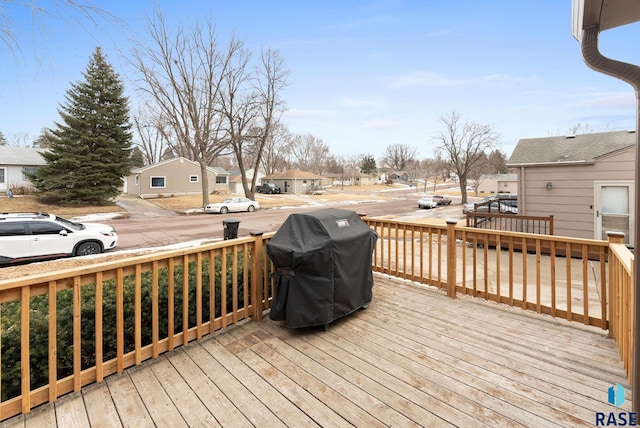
pixel 631 74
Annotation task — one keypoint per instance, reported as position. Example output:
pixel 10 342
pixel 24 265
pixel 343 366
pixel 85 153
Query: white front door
pixel 614 209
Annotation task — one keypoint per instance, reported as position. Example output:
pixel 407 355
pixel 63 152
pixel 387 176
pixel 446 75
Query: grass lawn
pixel 29 204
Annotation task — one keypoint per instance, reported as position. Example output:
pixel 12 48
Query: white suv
pixel 26 237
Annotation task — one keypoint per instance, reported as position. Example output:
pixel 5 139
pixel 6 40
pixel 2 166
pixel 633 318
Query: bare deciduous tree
pixel 153 139
pixel 276 150
pixel 252 106
pixel 396 156
pixel 182 74
pixel 464 146
pixel 75 12
pixel 310 153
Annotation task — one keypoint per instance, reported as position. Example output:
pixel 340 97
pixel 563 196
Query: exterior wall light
pixel 549 185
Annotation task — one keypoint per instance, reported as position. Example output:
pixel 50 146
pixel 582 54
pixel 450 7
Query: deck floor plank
pixel 156 400
pixel 222 409
pixel 72 413
pixel 100 407
pixel 225 377
pixel 346 390
pixel 128 402
pixel 413 358
pixel 194 412
pixel 284 409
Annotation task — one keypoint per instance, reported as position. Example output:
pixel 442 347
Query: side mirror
pixel 63 232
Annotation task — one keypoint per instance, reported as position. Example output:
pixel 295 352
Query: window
pixel 45 228
pixel 27 170
pixel 2 176
pixel 157 182
pixel 193 179
pixel 221 179
pixel 12 228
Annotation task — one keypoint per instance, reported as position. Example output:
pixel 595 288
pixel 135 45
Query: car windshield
pixel 70 224
pixel 227 201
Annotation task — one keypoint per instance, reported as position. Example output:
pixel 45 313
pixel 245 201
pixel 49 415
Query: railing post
pixel 451 257
pixel 257 283
pixel 615 237
pixel 613 294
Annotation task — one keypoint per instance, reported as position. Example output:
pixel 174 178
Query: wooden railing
pixel 621 298
pixel 67 329
pixel 511 222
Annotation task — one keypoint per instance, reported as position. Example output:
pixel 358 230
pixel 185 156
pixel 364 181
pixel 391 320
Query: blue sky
pixel 363 74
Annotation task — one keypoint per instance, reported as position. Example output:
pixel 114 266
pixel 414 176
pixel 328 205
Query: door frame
pixel 597 211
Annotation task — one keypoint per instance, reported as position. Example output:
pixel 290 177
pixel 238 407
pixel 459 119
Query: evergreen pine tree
pixel 90 150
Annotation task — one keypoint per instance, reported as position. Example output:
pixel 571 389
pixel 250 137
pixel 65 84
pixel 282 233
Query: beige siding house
pixel 498 183
pixel 14 162
pixel 235 180
pixel 173 177
pixel 585 181
pixel 295 181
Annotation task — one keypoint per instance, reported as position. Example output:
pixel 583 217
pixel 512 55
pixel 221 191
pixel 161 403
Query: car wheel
pixel 251 208
pixel 87 248
pixel 224 210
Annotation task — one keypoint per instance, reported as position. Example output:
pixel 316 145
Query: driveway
pixel 137 207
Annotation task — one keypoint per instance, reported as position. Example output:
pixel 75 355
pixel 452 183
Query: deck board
pixel 413 358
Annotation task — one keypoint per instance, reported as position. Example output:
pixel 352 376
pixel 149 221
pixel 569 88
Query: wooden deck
pixel 413 358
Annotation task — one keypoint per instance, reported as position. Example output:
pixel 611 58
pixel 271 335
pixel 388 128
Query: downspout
pixel 631 74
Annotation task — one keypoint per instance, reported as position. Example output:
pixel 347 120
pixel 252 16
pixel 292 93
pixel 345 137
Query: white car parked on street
pixel 232 205
pixel 427 202
pixel 27 237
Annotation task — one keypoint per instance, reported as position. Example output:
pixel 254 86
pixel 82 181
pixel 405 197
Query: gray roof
pixel 578 148
pixel 27 156
pixel 215 169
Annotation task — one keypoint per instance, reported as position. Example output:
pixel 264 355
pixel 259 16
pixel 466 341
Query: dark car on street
pixel 268 188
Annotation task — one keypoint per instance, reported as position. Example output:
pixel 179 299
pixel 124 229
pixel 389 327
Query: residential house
pixel 235 180
pixel 295 181
pixel 15 162
pixel 350 178
pixel 174 177
pixel 587 182
pixel 498 183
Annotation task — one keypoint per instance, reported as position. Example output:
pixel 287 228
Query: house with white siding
pixel 15 162
pixel 587 182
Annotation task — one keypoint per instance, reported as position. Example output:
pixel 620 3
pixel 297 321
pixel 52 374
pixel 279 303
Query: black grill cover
pixel 323 267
